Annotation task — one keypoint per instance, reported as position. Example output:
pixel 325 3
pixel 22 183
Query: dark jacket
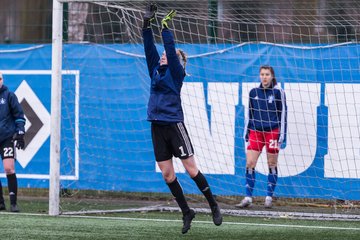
pixel 267 110
pixel 11 114
pixel 166 81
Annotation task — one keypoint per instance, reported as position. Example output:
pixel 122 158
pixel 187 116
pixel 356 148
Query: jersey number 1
pixel 182 151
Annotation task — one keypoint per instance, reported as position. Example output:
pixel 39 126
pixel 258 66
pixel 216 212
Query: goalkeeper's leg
pixel 171 180
pixel 204 187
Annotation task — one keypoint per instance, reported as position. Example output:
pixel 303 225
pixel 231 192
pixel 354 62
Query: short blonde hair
pixel 1 75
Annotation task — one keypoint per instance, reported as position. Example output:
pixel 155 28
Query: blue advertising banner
pixel 106 140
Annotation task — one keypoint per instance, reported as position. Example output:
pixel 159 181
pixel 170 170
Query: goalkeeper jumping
pixel 169 135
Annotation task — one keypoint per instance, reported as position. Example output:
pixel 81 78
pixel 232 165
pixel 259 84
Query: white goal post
pixel 56 67
pixel 56 86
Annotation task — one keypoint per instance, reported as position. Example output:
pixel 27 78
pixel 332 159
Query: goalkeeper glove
pixel 19 138
pixel 149 15
pixel 167 18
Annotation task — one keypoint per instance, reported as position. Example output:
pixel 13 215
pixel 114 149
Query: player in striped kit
pixel 169 135
pixel 265 126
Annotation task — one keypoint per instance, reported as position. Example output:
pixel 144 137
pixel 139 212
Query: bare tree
pixel 77 19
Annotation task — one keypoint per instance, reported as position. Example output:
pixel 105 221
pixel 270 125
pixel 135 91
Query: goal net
pixel 313 47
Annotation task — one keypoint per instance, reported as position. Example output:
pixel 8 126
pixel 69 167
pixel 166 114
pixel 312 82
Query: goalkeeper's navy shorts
pixel 171 140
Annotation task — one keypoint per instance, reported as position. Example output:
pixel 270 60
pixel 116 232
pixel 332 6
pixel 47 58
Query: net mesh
pixel 312 45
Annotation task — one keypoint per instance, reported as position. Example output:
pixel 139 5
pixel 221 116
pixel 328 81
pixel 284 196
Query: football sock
pixel 204 187
pixel 250 181
pixel 1 194
pixel 272 179
pixel 178 193
pixel 12 185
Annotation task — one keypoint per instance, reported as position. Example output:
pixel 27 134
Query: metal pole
pixel 56 66
pixel 213 15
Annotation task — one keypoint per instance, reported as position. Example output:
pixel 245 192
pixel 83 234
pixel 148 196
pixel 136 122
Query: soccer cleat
pixel 14 208
pixel 216 215
pixel 2 206
pixel 187 218
pixel 246 202
pixel 268 202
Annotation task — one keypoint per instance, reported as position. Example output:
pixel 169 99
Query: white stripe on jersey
pixel 283 113
pixel 247 116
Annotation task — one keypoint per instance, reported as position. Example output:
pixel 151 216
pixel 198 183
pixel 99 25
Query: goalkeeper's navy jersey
pixel 166 81
pixel 11 114
pixel 267 110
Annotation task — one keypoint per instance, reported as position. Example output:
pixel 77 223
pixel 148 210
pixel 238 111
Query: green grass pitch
pixel 167 225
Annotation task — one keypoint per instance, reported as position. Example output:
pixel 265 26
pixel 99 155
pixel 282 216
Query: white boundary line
pixel 195 221
pixel 77 91
pixel 233 212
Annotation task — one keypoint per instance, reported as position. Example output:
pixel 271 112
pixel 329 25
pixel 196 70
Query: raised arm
pixel 152 56
pixel 176 69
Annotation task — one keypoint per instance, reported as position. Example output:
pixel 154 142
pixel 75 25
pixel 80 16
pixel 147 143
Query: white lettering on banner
pixel 214 143
pixel 302 100
pixel 343 158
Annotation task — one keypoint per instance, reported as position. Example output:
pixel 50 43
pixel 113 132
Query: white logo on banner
pixel 24 92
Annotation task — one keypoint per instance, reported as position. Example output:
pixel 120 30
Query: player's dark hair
pixel 268 67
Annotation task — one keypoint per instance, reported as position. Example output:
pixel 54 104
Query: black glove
pixel 19 138
pixel 149 15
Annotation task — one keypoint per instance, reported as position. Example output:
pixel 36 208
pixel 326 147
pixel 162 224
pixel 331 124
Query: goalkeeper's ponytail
pixel 182 57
